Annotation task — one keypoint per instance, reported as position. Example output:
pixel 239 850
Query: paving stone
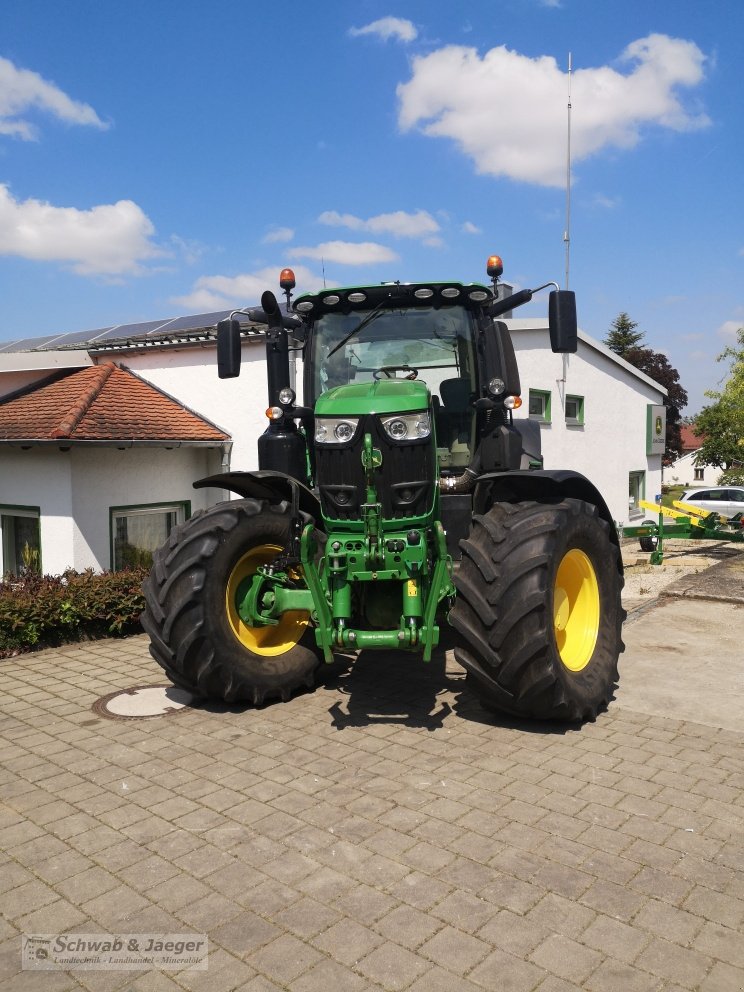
pixel 687 967
pixel 614 976
pixel 392 967
pixel 507 973
pixel 455 950
pixel 348 941
pixel 620 940
pixel 605 859
pixel 327 976
pixel 566 958
pixel 668 922
pixel 613 900
pixel 721 943
pixel 723 978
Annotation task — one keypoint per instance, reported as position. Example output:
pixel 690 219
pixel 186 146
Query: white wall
pixel 189 374
pixel 108 477
pixel 612 441
pixel 682 472
pixel 41 477
pixel 75 490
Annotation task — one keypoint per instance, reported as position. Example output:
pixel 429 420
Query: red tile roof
pixel 690 440
pixel 100 403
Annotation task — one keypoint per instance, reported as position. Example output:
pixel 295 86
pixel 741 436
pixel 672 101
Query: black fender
pixel 500 487
pixel 272 486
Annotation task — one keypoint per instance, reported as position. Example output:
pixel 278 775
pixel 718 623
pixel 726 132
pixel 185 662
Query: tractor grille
pixel 404 482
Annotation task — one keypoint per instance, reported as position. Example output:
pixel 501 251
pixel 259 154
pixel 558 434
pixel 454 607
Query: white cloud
pixel 111 240
pixel 388 27
pixel 347 253
pixel 22 91
pixel 453 93
pixel 605 202
pixel 278 235
pixel 400 224
pixel 730 328
pixel 211 293
pixel 470 228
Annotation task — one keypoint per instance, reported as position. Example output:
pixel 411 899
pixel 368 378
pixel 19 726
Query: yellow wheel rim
pixel 267 640
pixel 576 610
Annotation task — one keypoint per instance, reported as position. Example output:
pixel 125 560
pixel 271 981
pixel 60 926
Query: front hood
pixel 384 396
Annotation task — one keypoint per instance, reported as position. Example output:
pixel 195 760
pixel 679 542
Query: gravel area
pixel 644 582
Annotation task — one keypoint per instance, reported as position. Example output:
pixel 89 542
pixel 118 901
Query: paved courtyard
pixel 382 832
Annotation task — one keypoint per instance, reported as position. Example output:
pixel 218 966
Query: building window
pixel 539 406
pixel 699 474
pixel 636 492
pixel 20 540
pixel 574 409
pixel 138 531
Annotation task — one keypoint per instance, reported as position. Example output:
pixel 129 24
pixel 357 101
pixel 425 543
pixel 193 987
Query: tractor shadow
pixel 396 688
pixel 389 688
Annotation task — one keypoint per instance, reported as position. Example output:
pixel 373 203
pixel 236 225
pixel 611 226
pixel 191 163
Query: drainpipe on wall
pixel 226 449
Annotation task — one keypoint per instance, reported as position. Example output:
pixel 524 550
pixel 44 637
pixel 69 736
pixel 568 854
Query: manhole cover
pixel 143 702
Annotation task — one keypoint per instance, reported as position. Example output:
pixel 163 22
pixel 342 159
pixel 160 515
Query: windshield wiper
pixel 355 330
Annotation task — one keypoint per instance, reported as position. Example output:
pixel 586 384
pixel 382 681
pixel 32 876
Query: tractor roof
pixel 393 295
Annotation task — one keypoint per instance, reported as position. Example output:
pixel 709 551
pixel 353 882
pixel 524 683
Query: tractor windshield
pixel 437 342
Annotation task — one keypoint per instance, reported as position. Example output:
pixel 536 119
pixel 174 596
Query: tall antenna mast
pixel 567 232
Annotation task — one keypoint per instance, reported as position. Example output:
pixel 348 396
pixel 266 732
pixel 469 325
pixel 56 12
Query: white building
pixel 86 498
pixel 686 471
pixel 597 415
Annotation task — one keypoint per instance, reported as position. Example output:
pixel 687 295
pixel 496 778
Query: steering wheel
pixel 387 371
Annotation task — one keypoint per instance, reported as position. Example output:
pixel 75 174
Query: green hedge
pixel 39 611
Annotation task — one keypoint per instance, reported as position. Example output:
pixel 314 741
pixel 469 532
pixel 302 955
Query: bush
pixel 44 611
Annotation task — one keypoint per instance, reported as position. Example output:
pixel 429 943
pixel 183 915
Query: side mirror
pixel 228 348
pixel 564 335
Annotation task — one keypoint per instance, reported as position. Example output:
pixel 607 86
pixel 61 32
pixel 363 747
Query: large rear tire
pixel 538 610
pixel 196 634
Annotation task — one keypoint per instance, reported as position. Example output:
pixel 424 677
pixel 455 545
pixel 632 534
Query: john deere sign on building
pixel 655 430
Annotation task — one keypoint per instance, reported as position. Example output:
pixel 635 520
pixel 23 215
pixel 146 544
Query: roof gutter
pixel 108 443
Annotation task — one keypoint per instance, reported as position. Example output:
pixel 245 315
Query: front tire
pixel 539 610
pixel 196 634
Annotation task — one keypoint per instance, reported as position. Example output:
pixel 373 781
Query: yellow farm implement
pixel 683 522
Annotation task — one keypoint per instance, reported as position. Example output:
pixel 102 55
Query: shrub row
pixel 39 611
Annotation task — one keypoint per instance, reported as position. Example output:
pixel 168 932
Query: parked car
pixel 726 500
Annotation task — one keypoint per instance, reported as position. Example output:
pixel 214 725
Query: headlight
pixel 407 426
pixel 335 430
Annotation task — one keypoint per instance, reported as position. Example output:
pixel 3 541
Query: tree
pixel 623 335
pixel 722 423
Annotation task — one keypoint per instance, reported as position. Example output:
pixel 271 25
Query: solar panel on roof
pixel 132 330
pixel 115 332
pixel 194 322
pixel 34 344
pixel 76 337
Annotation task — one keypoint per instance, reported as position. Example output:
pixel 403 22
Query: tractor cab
pixel 423 332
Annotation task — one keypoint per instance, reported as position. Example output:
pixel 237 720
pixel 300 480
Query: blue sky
pixel 160 157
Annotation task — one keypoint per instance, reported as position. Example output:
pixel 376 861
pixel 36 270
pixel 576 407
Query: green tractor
pixel 403 494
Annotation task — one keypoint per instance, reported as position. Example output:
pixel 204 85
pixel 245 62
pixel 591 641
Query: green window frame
pixel 139 529
pixel 20 539
pixel 636 492
pixel 574 410
pixel 539 405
